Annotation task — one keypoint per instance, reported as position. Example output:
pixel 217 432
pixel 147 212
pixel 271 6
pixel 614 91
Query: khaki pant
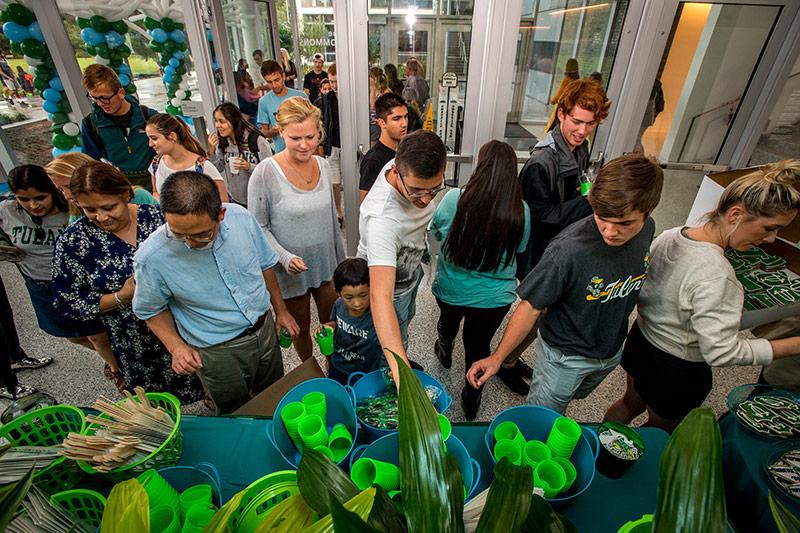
pixel 235 371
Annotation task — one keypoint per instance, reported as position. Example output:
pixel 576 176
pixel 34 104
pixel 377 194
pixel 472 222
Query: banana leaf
pixel 316 475
pixel 455 484
pixel 509 499
pixel 384 515
pixel 11 496
pixel 127 509
pixel 543 519
pixel 345 521
pixel 691 491
pixel 219 523
pixel 360 504
pixel 429 506
pixel 786 521
pixel 292 514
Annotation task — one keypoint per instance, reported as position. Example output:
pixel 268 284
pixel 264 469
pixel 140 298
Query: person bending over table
pixel 690 307
pixel 589 279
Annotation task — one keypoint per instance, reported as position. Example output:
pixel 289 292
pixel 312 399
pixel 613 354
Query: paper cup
pixel 231 161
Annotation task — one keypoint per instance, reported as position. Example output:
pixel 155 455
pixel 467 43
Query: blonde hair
pixel 96 75
pixel 65 165
pixel 166 124
pixel 297 109
pixel 766 192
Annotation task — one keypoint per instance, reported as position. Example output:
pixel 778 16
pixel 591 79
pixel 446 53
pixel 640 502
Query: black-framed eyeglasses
pixel 419 193
pixel 101 99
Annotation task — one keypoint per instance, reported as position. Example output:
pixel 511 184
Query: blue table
pixel 239 448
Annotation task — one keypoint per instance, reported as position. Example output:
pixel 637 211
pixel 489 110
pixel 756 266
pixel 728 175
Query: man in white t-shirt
pixel 394 219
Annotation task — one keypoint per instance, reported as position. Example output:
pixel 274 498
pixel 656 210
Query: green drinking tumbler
pixel 534 452
pixel 158 490
pixel 164 519
pixel 340 441
pixel 327 451
pixel 550 477
pixel 509 430
pixel 197 518
pixel 367 472
pixel 316 405
pixel 312 431
pixel 291 414
pixel 195 496
pixel 510 449
pixel 325 340
pixel 569 471
pixel 563 437
pixel 285 339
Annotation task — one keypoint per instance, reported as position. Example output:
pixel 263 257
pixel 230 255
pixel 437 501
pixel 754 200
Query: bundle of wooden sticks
pixel 132 431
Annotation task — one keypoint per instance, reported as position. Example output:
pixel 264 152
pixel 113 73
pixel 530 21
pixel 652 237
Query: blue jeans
pixel 558 378
pixel 405 306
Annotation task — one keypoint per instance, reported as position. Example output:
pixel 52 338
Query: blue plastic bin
pixel 340 408
pixel 183 477
pixel 535 423
pixel 387 449
pixel 374 383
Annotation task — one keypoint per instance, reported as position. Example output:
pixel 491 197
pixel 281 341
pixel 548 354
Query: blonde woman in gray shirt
pixel 690 307
pixel 291 197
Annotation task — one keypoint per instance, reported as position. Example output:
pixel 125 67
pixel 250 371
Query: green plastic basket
pixel 49 426
pixel 85 506
pixel 268 491
pixel 168 454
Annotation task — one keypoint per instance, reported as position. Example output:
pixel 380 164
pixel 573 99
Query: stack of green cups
pixel 164 519
pixel 563 437
pixel 197 518
pixel 312 431
pixel 325 340
pixel 316 405
pixel 534 452
pixel 510 449
pixel 569 471
pixel 550 477
pixel 339 442
pixel 196 496
pixel 367 472
pixel 285 338
pixel 158 490
pixel 509 431
pixel 291 415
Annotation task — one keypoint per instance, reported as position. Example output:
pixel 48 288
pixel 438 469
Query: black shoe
pixel 416 366
pixel 20 391
pixel 513 380
pixel 523 369
pixel 470 402
pixel 443 354
pixel 28 363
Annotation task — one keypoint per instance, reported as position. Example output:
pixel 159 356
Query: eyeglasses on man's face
pixel 202 238
pixel 414 193
pixel 105 100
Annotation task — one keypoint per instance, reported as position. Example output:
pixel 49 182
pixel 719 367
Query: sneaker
pixel 20 391
pixel 416 366
pixel 470 402
pixel 523 369
pixel 513 380
pixel 29 363
pixel 443 354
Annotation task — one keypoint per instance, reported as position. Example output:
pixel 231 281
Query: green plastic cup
pixel 158 490
pixel 445 426
pixel 586 186
pixel 340 441
pixel 325 340
pixel 569 471
pixel 550 477
pixel 198 495
pixel 367 472
pixel 563 437
pixel 510 431
pixel 395 495
pixel 197 518
pixel 510 449
pixel 285 339
pixel 316 405
pixel 291 415
pixel 164 519
pixel 327 451
pixel 534 452
pixel 312 431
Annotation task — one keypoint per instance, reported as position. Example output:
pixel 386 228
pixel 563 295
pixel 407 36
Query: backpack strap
pixel 252 143
pixel 154 164
pixel 198 164
pixel 94 135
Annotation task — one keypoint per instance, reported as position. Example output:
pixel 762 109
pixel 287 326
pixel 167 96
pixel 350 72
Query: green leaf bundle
pixel 509 499
pixel 11 496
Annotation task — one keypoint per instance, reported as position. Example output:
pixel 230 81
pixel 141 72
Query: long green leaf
pixel 360 504
pixel 127 509
pixel 509 499
pixel 219 523
pixel 11 495
pixel 345 521
pixel 691 491
pixel 317 475
pixel 292 514
pixel 455 488
pixel 384 515
pixel 786 521
pixel 426 495
pixel 543 519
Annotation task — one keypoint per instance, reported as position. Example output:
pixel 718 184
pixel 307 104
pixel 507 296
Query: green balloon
pixel 33 48
pixel 62 141
pixel 170 94
pixel 40 83
pixel 124 50
pixel 64 106
pixel 120 27
pixel 188 94
pixel 168 24
pixel 60 118
pixel 174 86
pixel 103 50
pixel 172 110
pixel 3 16
pixel 16 48
pixel 182 47
pixel 130 88
pixel 181 70
pixel 170 46
pixel 156 46
pixel 44 72
pixel 115 63
pixel 82 22
pixel 151 23
pixel 20 14
pixel 91 49
pixel 164 61
pixel 99 24
pixel 179 25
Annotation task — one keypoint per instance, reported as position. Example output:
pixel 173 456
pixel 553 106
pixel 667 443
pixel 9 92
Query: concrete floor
pixel 75 377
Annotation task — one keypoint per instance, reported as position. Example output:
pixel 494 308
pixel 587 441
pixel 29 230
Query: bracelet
pixel 117 300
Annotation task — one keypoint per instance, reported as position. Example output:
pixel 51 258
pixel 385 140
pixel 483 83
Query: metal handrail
pixel 692 123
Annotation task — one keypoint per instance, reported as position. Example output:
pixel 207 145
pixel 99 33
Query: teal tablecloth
pixel 239 448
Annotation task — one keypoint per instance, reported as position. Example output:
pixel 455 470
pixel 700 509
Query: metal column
pixel 222 48
pixel 201 53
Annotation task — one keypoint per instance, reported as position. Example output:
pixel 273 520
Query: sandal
pixel 209 403
pixel 116 377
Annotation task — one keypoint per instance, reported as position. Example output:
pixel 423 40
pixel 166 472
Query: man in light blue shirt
pixel 269 103
pixel 205 284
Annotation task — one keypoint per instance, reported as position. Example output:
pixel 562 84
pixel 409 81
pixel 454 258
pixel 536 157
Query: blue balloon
pixel 209 35
pixel 178 55
pixel 174 63
pixel 35 31
pixel 16 32
pixel 159 35
pixel 178 36
pixel 124 79
pixel 51 95
pixel 56 84
pixel 214 64
pixel 92 37
pixel 58 151
pixel 169 69
pixel 114 39
pixel 50 106
pixel 167 78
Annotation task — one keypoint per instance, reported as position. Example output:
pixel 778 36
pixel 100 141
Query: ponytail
pixel 166 124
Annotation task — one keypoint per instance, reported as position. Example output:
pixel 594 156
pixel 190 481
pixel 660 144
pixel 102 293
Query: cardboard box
pixel 265 403
pixel 786 246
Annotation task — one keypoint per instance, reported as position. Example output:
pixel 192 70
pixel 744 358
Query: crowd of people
pixel 182 266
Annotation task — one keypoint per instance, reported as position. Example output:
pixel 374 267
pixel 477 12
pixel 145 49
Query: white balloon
pixel 101 60
pixel 176 102
pixel 73 117
pixel 184 85
pixel 180 94
pixel 32 61
pixel 70 128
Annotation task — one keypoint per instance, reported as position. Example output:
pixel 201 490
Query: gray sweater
pixel 691 304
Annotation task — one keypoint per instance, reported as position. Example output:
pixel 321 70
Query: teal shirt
pixel 469 288
pixel 140 197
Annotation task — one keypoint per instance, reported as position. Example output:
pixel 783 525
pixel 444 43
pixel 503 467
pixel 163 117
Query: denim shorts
pixel 53 321
pixel 558 378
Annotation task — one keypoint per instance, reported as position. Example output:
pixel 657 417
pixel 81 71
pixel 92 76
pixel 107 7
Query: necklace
pixel 298 173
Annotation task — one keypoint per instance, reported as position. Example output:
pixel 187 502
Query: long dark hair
pixel 35 177
pixel 490 216
pixel 242 128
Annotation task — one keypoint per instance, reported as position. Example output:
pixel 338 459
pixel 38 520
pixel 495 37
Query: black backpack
pixel 94 135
